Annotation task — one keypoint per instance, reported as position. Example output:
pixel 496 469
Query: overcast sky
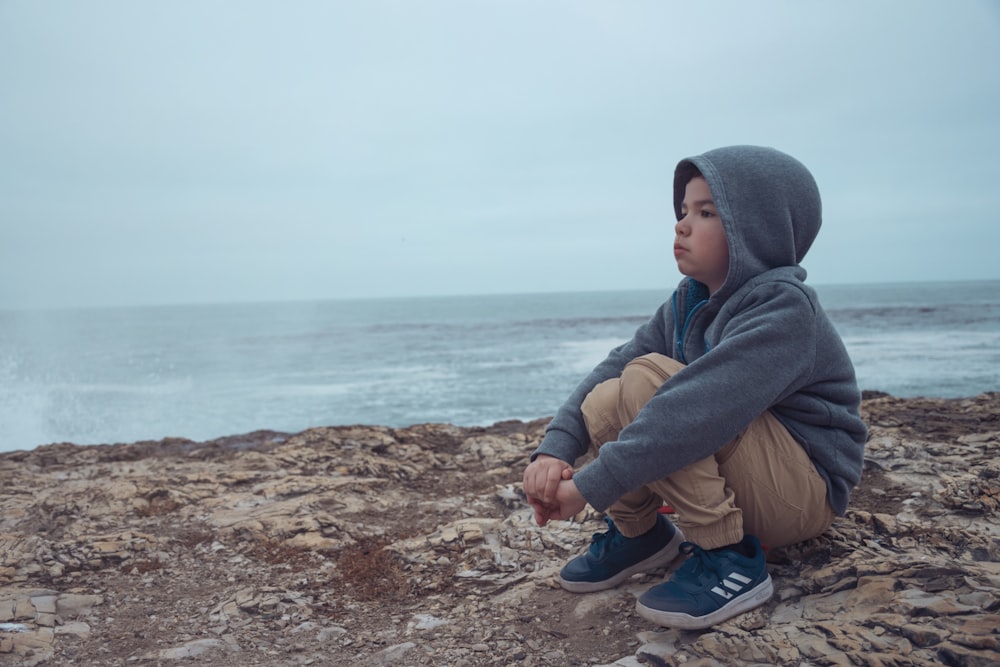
pixel 185 152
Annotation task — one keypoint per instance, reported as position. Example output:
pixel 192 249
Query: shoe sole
pixel 661 558
pixel 752 599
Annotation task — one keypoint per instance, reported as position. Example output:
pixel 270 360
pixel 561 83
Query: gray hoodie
pixel 761 342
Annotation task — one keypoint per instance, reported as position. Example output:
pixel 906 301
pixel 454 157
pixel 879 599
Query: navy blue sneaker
pixel 612 558
pixel 710 587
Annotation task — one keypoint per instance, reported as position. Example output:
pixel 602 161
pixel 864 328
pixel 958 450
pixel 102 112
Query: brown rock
pixel 371 545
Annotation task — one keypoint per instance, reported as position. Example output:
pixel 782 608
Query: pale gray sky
pixel 179 152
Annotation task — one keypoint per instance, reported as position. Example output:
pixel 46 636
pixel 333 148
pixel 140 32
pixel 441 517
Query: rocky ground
pixel 379 546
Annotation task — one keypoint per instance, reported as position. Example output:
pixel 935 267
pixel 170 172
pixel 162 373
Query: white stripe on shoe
pixel 735 582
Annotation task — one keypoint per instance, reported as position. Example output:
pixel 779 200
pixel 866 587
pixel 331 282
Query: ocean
pixel 95 376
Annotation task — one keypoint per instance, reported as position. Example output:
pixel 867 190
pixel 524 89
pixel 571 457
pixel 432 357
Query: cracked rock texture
pixel 366 545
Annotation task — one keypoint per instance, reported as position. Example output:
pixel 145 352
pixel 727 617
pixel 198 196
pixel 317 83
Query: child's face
pixel 700 246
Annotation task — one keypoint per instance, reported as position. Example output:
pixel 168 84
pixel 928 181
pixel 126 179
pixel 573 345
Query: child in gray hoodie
pixel 736 404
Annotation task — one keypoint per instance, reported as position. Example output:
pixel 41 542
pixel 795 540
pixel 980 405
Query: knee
pixel 655 363
pixel 644 375
pixel 615 402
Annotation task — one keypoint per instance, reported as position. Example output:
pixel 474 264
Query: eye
pixel 705 213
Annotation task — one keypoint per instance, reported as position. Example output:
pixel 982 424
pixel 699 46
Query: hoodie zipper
pixel 685 323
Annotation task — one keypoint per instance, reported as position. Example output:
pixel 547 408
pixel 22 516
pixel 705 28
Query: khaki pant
pixel 761 483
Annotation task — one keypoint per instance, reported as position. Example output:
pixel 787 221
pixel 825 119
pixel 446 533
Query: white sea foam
pixel 398 380
pixel 157 389
pixel 580 356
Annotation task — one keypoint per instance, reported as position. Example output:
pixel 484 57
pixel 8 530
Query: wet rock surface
pixel 413 546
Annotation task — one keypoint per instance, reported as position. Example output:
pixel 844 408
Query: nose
pixel 681 228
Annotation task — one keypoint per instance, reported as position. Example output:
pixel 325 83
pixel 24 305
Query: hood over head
pixel 768 201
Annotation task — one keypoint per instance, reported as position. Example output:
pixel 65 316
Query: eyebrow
pixel 699 202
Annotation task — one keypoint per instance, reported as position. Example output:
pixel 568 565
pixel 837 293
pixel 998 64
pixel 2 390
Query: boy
pixel 736 404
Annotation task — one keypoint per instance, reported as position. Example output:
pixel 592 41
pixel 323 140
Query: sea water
pixel 126 374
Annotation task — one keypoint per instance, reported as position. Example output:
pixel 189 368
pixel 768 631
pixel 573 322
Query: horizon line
pixel 393 297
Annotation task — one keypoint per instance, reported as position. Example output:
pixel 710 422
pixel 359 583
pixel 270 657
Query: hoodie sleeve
pixel 566 436
pixel 766 351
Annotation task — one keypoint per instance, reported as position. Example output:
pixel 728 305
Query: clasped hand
pixel 551 492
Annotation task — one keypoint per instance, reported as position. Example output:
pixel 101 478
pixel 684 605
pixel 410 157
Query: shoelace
pixel 600 543
pixel 699 561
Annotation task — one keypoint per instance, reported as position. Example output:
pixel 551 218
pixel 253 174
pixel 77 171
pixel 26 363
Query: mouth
pixel 679 250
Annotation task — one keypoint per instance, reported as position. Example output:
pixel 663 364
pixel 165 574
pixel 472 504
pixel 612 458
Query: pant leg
pixel 762 482
pixel 782 495
pixel 635 512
